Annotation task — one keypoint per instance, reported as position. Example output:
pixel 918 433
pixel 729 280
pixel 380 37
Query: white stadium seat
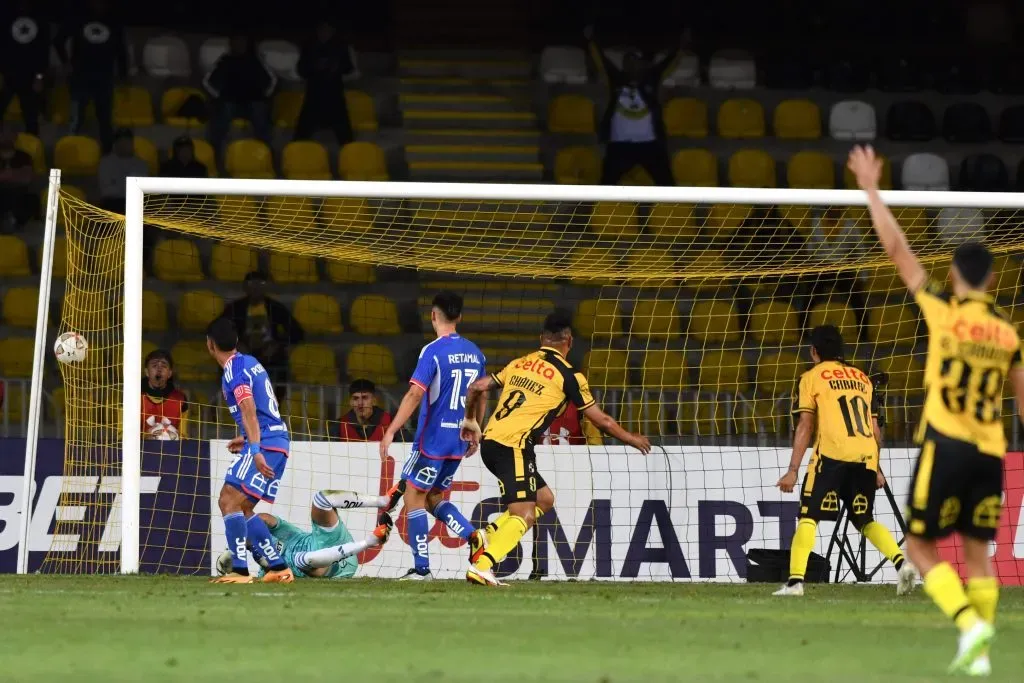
pixel 563 64
pixel 687 72
pixel 852 120
pixel 281 57
pixel 210 51
pixel 924 171
pixel 166 56
pixel 732 70
pixel 957 225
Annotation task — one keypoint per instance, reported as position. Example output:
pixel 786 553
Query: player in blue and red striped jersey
pixel 446 368
pixel 261 456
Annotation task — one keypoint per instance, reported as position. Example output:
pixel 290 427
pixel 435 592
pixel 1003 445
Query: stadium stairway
pixel 469 117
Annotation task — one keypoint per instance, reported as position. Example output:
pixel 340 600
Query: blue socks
pixel 263 543
pixel 453 519
pixel 235 530
pixel 418 529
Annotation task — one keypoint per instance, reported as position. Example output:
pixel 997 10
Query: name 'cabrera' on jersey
pixel 446 368
pixel 244 377
pixel 971 349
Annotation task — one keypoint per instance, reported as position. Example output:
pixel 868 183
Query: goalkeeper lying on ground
pixel 328 551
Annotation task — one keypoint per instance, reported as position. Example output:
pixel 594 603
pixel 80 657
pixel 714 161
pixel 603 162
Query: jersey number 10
pixel 856 415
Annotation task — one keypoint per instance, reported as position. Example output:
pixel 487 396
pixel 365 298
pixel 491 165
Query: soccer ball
pixel 71 347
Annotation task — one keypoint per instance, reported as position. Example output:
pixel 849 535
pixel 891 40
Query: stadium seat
pixel 905 372
pixel 1007 282
pixel 281 57
pixel 313 364
pixel 13 257
pixel 811 170
pixel 686 117
pixel 362 161
pixel 983 173
pixel 664 369
pixel 910 122
pixel 847 75
pixel 695 168
pixel 362 111
pixel 882 280
pixel 779 374
pixel 751 168
pixel 852 120
pixel 577 166
pixel 966 122
pixel 797 120
pixel 571 114
pixel 305 160
pixel 318 314
pixel 177 260
pixel 133 107
pixel 305 413
pixel 146 150
pixel 16 357
pixel 774 322
pixel 885 183
pixel 713 320
pixel 238 210
pixel 673 221
pixel 732 70
pixel 834 313
pixel 203 153
pixel 198 308
pixel 77 155
pixel 19 306
pixel 740 119
pixel 249 158
pixel 956 76
pixel 166 57
pixel 924 171
pixel 895 323
pixel 563 64
pixel 373 362
pixel 597 318
pixel 958 225
pixel 210 51
pixel 285 109
pixel 727 218
pixel 594 264
pixel 1011 124
pixel 610 219
pixel 231 263
pixel 170 106
pixel 287 269
pixel 343 272
pixel 917 223
pixel 154 312
pixel 192 363
pixel 685 73
pixel 655 318
pixel 289 214
pixel 374 314
pixel 722 372
pixel 32 146
pixel 606 368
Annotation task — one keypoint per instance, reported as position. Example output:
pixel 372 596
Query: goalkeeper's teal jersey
pixel 294 540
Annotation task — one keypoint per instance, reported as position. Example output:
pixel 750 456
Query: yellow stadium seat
pixel 241 211
pixel 751 168
pixel 774 322
pixel 1007 280
pixel 249 159
pixel 895 322
pixel 198 308
pixel 133 107
pixel 362 111
pixel 610 219
pixel 231 263
pixel 374 314
pixel 606 368
pixel 797 120
pixel 373 362
pixel 655 318
pixel 146 150
pixel 723 218
pixel 16 357
pixel 19 306
pixel 654 265
pixel 811 170
pixel 285 109
pixel 695 168
pixel 318 314
pixel 313 364
pixel 77 155
pixel 713 320
pixel 834 313
pixel 883 280
pixel 885 183
pixel 916 222
pixel 305 160
pixel 192 362
pixel 577 166
pixel 722 372
pixel 304 412
pixel 147 347
pixel 686 117
pixel 60 257
pixel 154 312
pixel 779 373
pixel 350 273
pixel 571 114
pixel 13 256
pixel 362 161
pixel 597 318
pixel 177 260
pixel 741 118
pixel 673 221
pixel 906 373
pixel 664 369
pixel 291 214
pixel 32 146
pixel 287 269
pixel 170 104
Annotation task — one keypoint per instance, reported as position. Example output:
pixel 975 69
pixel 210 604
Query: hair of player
pixel 223 334
pixel 557 325
pixel 449 303
pixel 973 261
pixel 827 341
pixel 362 386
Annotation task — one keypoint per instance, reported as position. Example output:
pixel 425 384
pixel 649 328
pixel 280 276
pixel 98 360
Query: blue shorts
pixel 426 474
pixel 243 475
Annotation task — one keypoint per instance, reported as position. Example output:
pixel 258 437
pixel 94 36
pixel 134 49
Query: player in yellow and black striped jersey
pixel 535 389
pixel 835 401
pixel 957 484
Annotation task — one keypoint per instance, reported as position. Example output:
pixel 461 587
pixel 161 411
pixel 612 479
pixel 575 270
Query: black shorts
pixel 831 482
pixel 516 470
pixel 955 488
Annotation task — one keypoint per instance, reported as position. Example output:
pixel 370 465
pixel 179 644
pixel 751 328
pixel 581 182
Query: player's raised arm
pixel 867 168
pixel 607 424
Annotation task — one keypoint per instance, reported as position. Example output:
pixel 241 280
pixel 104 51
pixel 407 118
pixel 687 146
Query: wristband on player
pixel 250 449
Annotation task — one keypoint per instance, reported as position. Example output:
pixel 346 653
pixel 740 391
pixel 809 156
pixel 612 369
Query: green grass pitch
pixel 185 629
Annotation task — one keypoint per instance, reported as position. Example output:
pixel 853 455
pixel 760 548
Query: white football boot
pixel 796 589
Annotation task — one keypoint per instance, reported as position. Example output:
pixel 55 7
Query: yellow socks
pixel 983 594
pixel 803 543
pixel 501 542
pixel 493 526
pixel 942 584
pixel 880 537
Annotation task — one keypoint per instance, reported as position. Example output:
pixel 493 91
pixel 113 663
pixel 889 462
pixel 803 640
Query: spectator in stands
pixel 241 86
pixel 632 127
pixel 323 63
pixel 120 164
pixel 265 326
pixel 18 203
pixel 183 162
pixel 24 60
pixel 570 428
pixel 365 421
pixel 164 406
pixel 98 51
